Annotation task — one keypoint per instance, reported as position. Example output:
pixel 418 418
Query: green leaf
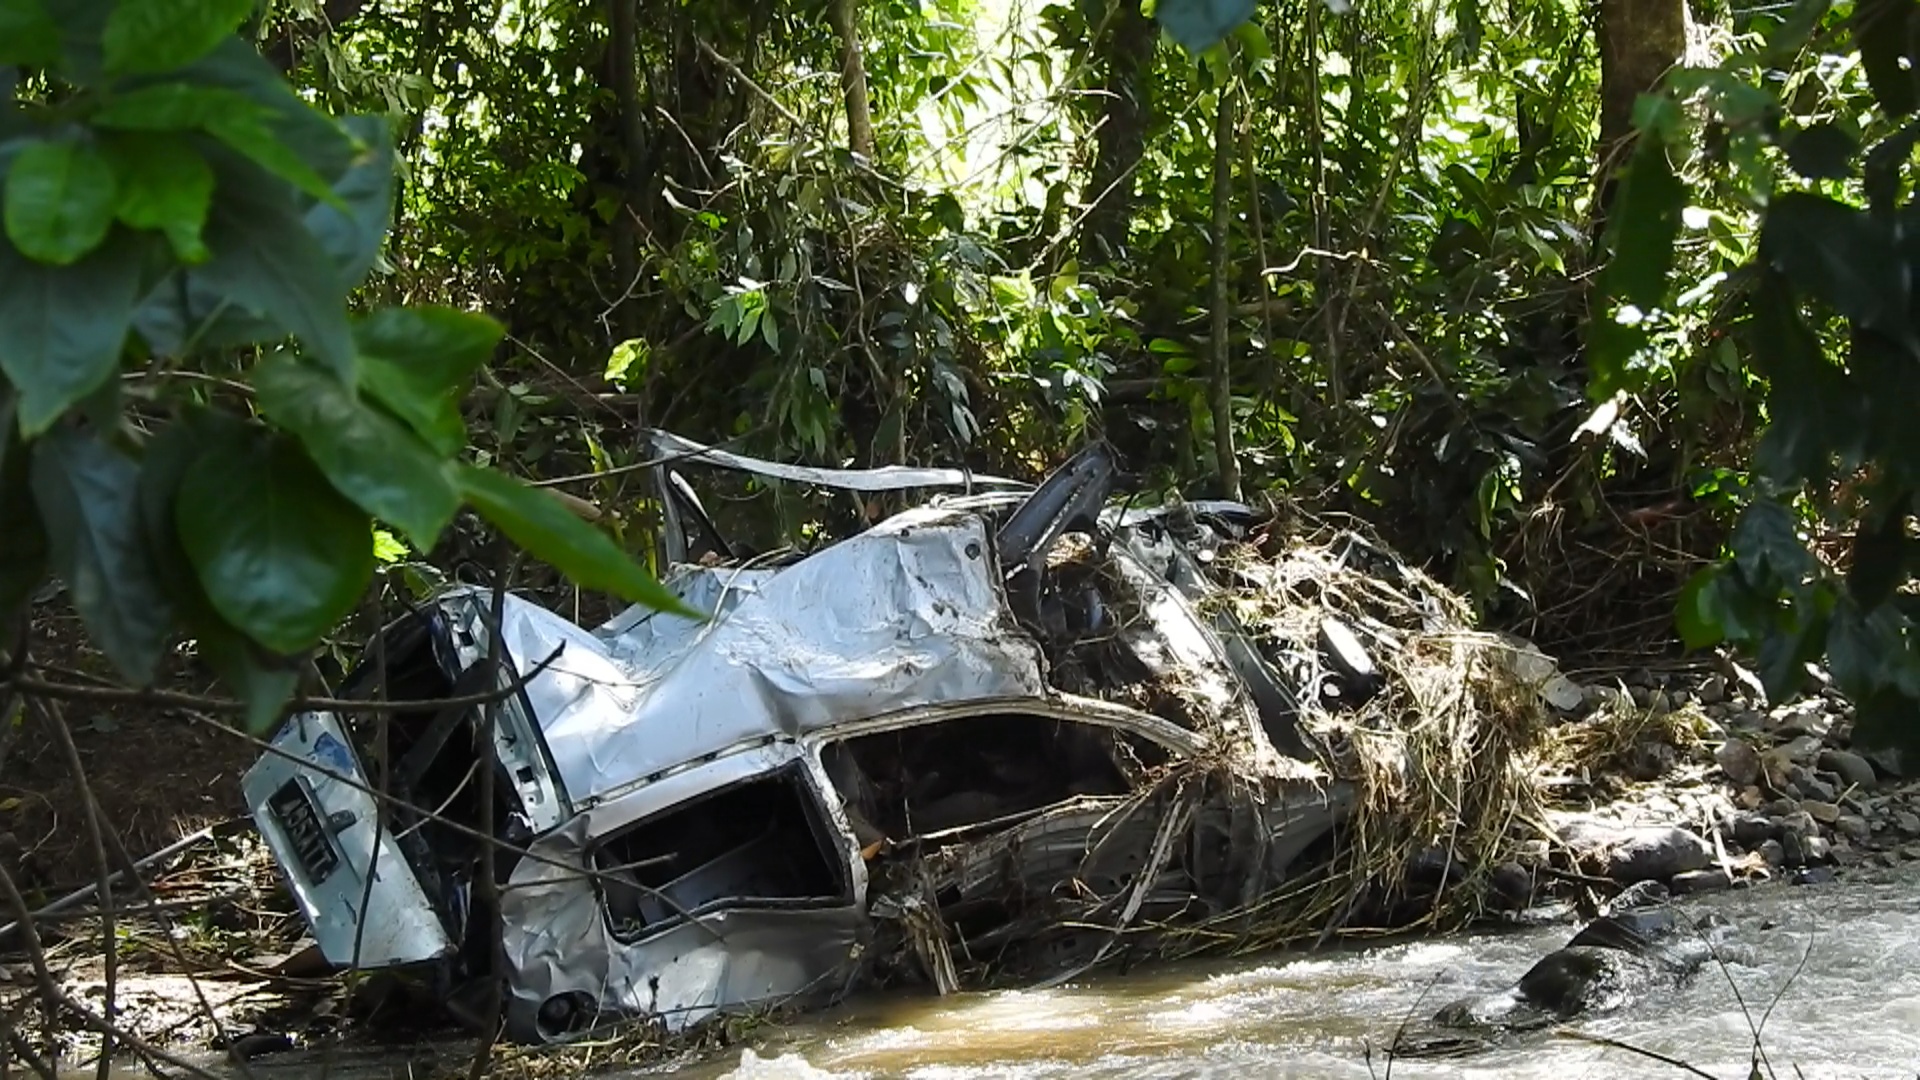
pixel 1699 616
pixel 264 681
pixel 164 185
pixel 629 361
pixel 1767 546
pixel 59 201
pixel 266 262
pixel 1887 719
pixel 63 328
pixel 87 493
pixel 247 134
pixel 387 547
pixel 353 225
pixel 416 362
pixel 148 36
pixel 1814 413
pixel 1880 553
pixel 172 106
pixel 281 555
pixel 28 35
pixel 237 97
pixel 23 543
pixel 1645 222
pixel 1882 30
pixel 1822 152
pixel 537 522
pixel 1840 256
pixel 368 457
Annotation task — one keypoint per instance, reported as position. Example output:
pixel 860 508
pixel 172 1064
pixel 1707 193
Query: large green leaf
pixel 369 457
pixel 1839 255
pixel 23 543
pixel 267 263
pixel 1883 32
pixel 28 35
pixel 416 362
pixel 149 36
pixel 63 327
pixel 172 106
pixel 280 554
pixel 59 201
pixel 538 523
pixel 165 185
pixel 353 225
pixel 1814 413
pixel 1645 220
pixel 306 143
pixel 264 681
pixel 87 493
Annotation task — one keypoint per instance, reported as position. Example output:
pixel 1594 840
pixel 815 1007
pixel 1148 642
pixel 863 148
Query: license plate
pixel 301 822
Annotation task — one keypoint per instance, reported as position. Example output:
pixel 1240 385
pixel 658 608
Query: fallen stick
pixel 85 892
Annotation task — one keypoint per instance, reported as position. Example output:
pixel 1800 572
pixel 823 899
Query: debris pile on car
pixel 1011 733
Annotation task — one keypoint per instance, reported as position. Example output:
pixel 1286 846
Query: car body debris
pixel 1001 735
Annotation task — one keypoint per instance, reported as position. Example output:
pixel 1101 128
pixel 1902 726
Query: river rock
pixel 1907 822
pixel 1850 767
pixel 1712 879
pixel 1750 830
pixel 1774 852
pixel 1853 827
pixel 1802 718
pixel 1712 690
pixel 1629 854
pixel 1740 761
pixel 1808 784
pixel 1802 750
pixel 1823 812
pixel 1887 761
pixel 1803 849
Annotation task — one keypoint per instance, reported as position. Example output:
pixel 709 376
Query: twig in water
pixel 1602 1040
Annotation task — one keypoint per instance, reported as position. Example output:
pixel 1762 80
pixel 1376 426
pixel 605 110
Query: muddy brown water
pixel 1851 1010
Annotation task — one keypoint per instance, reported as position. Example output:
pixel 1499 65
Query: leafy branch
pixel 169 202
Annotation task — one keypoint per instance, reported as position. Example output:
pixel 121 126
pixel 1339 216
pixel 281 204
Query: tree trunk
pixel 1125 50
pixel 1221 384
pixel 845 16
pixel 1639 41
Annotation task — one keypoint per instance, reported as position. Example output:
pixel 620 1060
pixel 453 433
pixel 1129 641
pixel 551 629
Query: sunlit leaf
pixel 164 184
pixel 59 200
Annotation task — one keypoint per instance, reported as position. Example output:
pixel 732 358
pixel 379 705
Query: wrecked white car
pixel 987 738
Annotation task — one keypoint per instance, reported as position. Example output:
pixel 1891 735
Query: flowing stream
pixel 1846 954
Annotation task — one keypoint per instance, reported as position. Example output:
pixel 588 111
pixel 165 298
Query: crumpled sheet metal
pixel 557 940
pixel 905 615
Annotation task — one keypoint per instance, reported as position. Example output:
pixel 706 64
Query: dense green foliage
pixel 1383 260
pixel 177 218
